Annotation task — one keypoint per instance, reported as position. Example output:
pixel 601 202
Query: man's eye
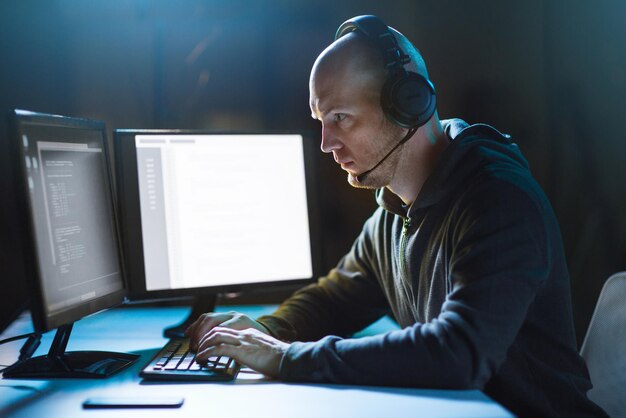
pixel 339 117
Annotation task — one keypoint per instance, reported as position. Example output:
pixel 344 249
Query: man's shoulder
pixel 456 128
pixel 476 153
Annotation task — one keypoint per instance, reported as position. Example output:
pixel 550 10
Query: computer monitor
pixel 205 213
pixel 14 300
pixel 70 245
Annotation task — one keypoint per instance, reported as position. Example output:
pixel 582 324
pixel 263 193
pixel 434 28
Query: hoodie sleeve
pixel 346 300
pixel 499 258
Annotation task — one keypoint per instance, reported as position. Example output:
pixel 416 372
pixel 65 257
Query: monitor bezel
pixel 127 192
pixel 43 322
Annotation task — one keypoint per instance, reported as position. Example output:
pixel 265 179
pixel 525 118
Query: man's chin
pixel 354 182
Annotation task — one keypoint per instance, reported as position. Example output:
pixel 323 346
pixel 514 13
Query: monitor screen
pixel 215 212
pixel 63 191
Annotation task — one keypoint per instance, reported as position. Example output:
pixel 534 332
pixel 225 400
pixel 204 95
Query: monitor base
pixel 73 364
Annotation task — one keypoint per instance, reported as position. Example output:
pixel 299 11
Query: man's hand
pixel 206 322
pixel 251 347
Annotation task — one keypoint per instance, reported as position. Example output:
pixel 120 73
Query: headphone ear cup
pixel 408 99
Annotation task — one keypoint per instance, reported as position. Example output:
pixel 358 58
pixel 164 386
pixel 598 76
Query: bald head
pixel 350 62
pixel 356 56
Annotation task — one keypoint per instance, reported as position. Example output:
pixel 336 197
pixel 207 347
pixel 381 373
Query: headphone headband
pixel 374 28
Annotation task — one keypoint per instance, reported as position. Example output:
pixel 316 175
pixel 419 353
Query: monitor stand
pixel 73 364
pixel 201 304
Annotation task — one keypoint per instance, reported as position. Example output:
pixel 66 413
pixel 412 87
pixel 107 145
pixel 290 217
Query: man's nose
pixel 330 142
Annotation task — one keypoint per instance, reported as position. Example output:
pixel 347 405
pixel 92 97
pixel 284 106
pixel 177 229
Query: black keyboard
pixel 175 362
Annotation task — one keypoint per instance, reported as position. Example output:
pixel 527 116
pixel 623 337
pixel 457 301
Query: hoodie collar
pixel 454 164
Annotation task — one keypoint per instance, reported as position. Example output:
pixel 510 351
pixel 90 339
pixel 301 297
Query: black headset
pixel 408 99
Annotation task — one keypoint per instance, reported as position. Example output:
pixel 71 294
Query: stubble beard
pixel 382 175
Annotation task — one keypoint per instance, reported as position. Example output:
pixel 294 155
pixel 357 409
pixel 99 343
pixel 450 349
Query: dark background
pixel 551 73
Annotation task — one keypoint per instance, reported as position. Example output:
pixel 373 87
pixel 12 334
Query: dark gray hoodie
pixel 474 273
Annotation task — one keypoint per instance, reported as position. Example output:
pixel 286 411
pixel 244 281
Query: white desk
pixel 139 331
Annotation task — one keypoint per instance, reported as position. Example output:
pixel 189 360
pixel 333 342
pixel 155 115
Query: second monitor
pixel 205 213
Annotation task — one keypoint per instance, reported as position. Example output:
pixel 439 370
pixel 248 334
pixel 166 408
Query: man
pixel 464 250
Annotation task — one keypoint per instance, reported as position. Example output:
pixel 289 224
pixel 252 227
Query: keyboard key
pixel 194 366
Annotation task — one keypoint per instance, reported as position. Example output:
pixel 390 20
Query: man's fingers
pixel 208 321
pixel 234 323
pixel 217 330
pixel 205 323
pixel 191 328
pixel 218 341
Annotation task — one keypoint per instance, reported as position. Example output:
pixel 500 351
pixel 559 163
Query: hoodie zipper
pixel 405 281
pixel 406 223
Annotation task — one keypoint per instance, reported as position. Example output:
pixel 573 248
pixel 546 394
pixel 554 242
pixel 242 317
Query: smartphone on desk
pixel 99 402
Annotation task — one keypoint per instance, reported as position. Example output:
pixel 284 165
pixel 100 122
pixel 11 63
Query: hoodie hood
pixel 473 149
